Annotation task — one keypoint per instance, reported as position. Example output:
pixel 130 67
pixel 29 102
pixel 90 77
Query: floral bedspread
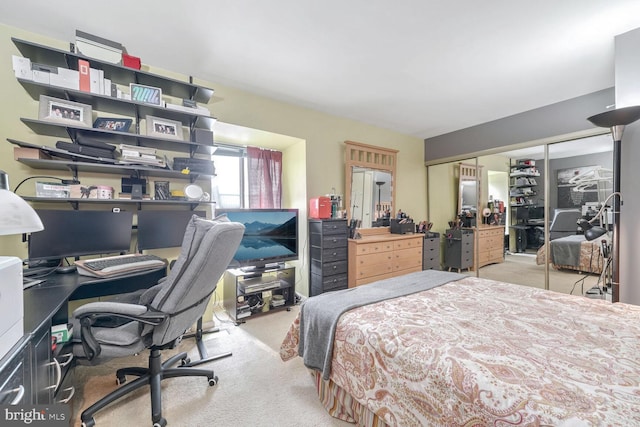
pixel 591 259
pixel 478 352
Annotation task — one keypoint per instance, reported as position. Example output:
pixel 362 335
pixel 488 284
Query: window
pixel 229 188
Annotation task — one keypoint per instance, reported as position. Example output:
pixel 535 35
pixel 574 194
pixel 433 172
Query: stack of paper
pixel 133 154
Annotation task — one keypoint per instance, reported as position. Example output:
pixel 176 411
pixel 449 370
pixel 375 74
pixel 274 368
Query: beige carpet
pixel 255 387
pixel 522 270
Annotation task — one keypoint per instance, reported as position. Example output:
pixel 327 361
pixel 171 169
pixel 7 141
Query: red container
pixel 131 61
pixel 320 207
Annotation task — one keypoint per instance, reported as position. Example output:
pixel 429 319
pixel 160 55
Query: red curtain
pixel 265 178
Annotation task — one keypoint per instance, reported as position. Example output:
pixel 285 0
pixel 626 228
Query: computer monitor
pixel 163 228
pixel 522 213
pixel 74 233
pixel 536 212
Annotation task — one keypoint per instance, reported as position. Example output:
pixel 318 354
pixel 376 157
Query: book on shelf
pixel 136 149
pixel 127 196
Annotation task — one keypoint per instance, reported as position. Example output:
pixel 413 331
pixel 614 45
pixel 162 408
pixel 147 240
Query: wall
pixel 598 159
pixel 322 155
pixel 529 128
pixel 627 70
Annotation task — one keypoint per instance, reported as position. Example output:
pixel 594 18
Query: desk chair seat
pixel 160 317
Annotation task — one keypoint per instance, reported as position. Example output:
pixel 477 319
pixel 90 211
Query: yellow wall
pixel 320 159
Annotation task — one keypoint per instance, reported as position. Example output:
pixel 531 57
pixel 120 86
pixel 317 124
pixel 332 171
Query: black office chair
pixel 161 316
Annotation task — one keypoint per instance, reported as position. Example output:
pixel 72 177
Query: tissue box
pixel 62 333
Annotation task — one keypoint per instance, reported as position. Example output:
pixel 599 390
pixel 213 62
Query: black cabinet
pixel 458 249
pixel 15 379
pixel 328 254
pixel 431 251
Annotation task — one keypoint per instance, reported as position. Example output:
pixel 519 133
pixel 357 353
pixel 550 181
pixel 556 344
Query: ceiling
pixel 419 67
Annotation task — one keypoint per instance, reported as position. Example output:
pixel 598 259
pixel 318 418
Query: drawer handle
pixel 335 266
pixel 71 391
pixel 58 374
pixel 334 240
pixel 334 253
pixel 19 391
pixel 69 357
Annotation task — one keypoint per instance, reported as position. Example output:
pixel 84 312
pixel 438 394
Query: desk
pixel 527 236
pixel 47 304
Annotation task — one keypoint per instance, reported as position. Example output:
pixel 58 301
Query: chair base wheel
pixel 185 361
pixel 213 381
pixel 89 423
pixel 121 380
pixel 160 423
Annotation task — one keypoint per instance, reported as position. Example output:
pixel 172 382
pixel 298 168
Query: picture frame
pixel 115 124
pixel 64 111
pixel 146 94
pixel 163 128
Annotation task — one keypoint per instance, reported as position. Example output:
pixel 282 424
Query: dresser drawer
pixel 337 267
pixel 336 282
pixel 335 227
pixel 329 254
pixel 373 259
pixel 408 243
pixel 372 270
pixel 374 247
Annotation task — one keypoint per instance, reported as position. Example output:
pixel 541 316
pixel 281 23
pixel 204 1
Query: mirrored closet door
pixel 517 205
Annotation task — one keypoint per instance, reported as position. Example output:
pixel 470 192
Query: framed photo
pixel 63 111
pixel 115 124
pixel 145 94
pixel 163 128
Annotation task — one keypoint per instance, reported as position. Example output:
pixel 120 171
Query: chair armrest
pixel 135 312
pixel 88 313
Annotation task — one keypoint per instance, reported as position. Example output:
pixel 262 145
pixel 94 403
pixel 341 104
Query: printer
pixel 11 303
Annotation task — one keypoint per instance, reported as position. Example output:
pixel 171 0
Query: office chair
pixel 564 223
pixel 161 316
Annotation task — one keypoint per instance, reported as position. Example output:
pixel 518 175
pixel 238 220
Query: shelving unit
pixel 248 294
pixel 522 196
pixel 62 160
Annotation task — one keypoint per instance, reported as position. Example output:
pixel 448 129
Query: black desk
pixel 28 365
pixel 48 300
pixel 527 236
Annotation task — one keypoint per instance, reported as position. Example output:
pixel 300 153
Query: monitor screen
pixel 80 232
pixel 270 236
pixel 536 212
pixel 522 213
pixel 163 228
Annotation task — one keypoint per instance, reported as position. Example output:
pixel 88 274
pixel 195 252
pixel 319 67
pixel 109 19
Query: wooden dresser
pixel 490 244
pixel 381 255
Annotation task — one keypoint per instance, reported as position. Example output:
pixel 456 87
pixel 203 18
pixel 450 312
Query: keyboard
pixel 119 264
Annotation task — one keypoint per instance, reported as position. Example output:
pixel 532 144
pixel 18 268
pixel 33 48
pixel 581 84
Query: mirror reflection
pixel 369 181
pixel 371 200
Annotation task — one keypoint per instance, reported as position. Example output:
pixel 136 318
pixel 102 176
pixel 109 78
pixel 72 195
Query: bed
pixel 473 352
pixel 574 253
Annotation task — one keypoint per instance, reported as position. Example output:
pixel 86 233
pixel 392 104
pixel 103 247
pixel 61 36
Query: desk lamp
pixel 16 217
pixel 616 120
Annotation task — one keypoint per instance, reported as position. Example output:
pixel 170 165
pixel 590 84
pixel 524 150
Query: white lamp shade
pixel 16 215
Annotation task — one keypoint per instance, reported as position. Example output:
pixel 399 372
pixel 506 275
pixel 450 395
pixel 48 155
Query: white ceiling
pixel 419 67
